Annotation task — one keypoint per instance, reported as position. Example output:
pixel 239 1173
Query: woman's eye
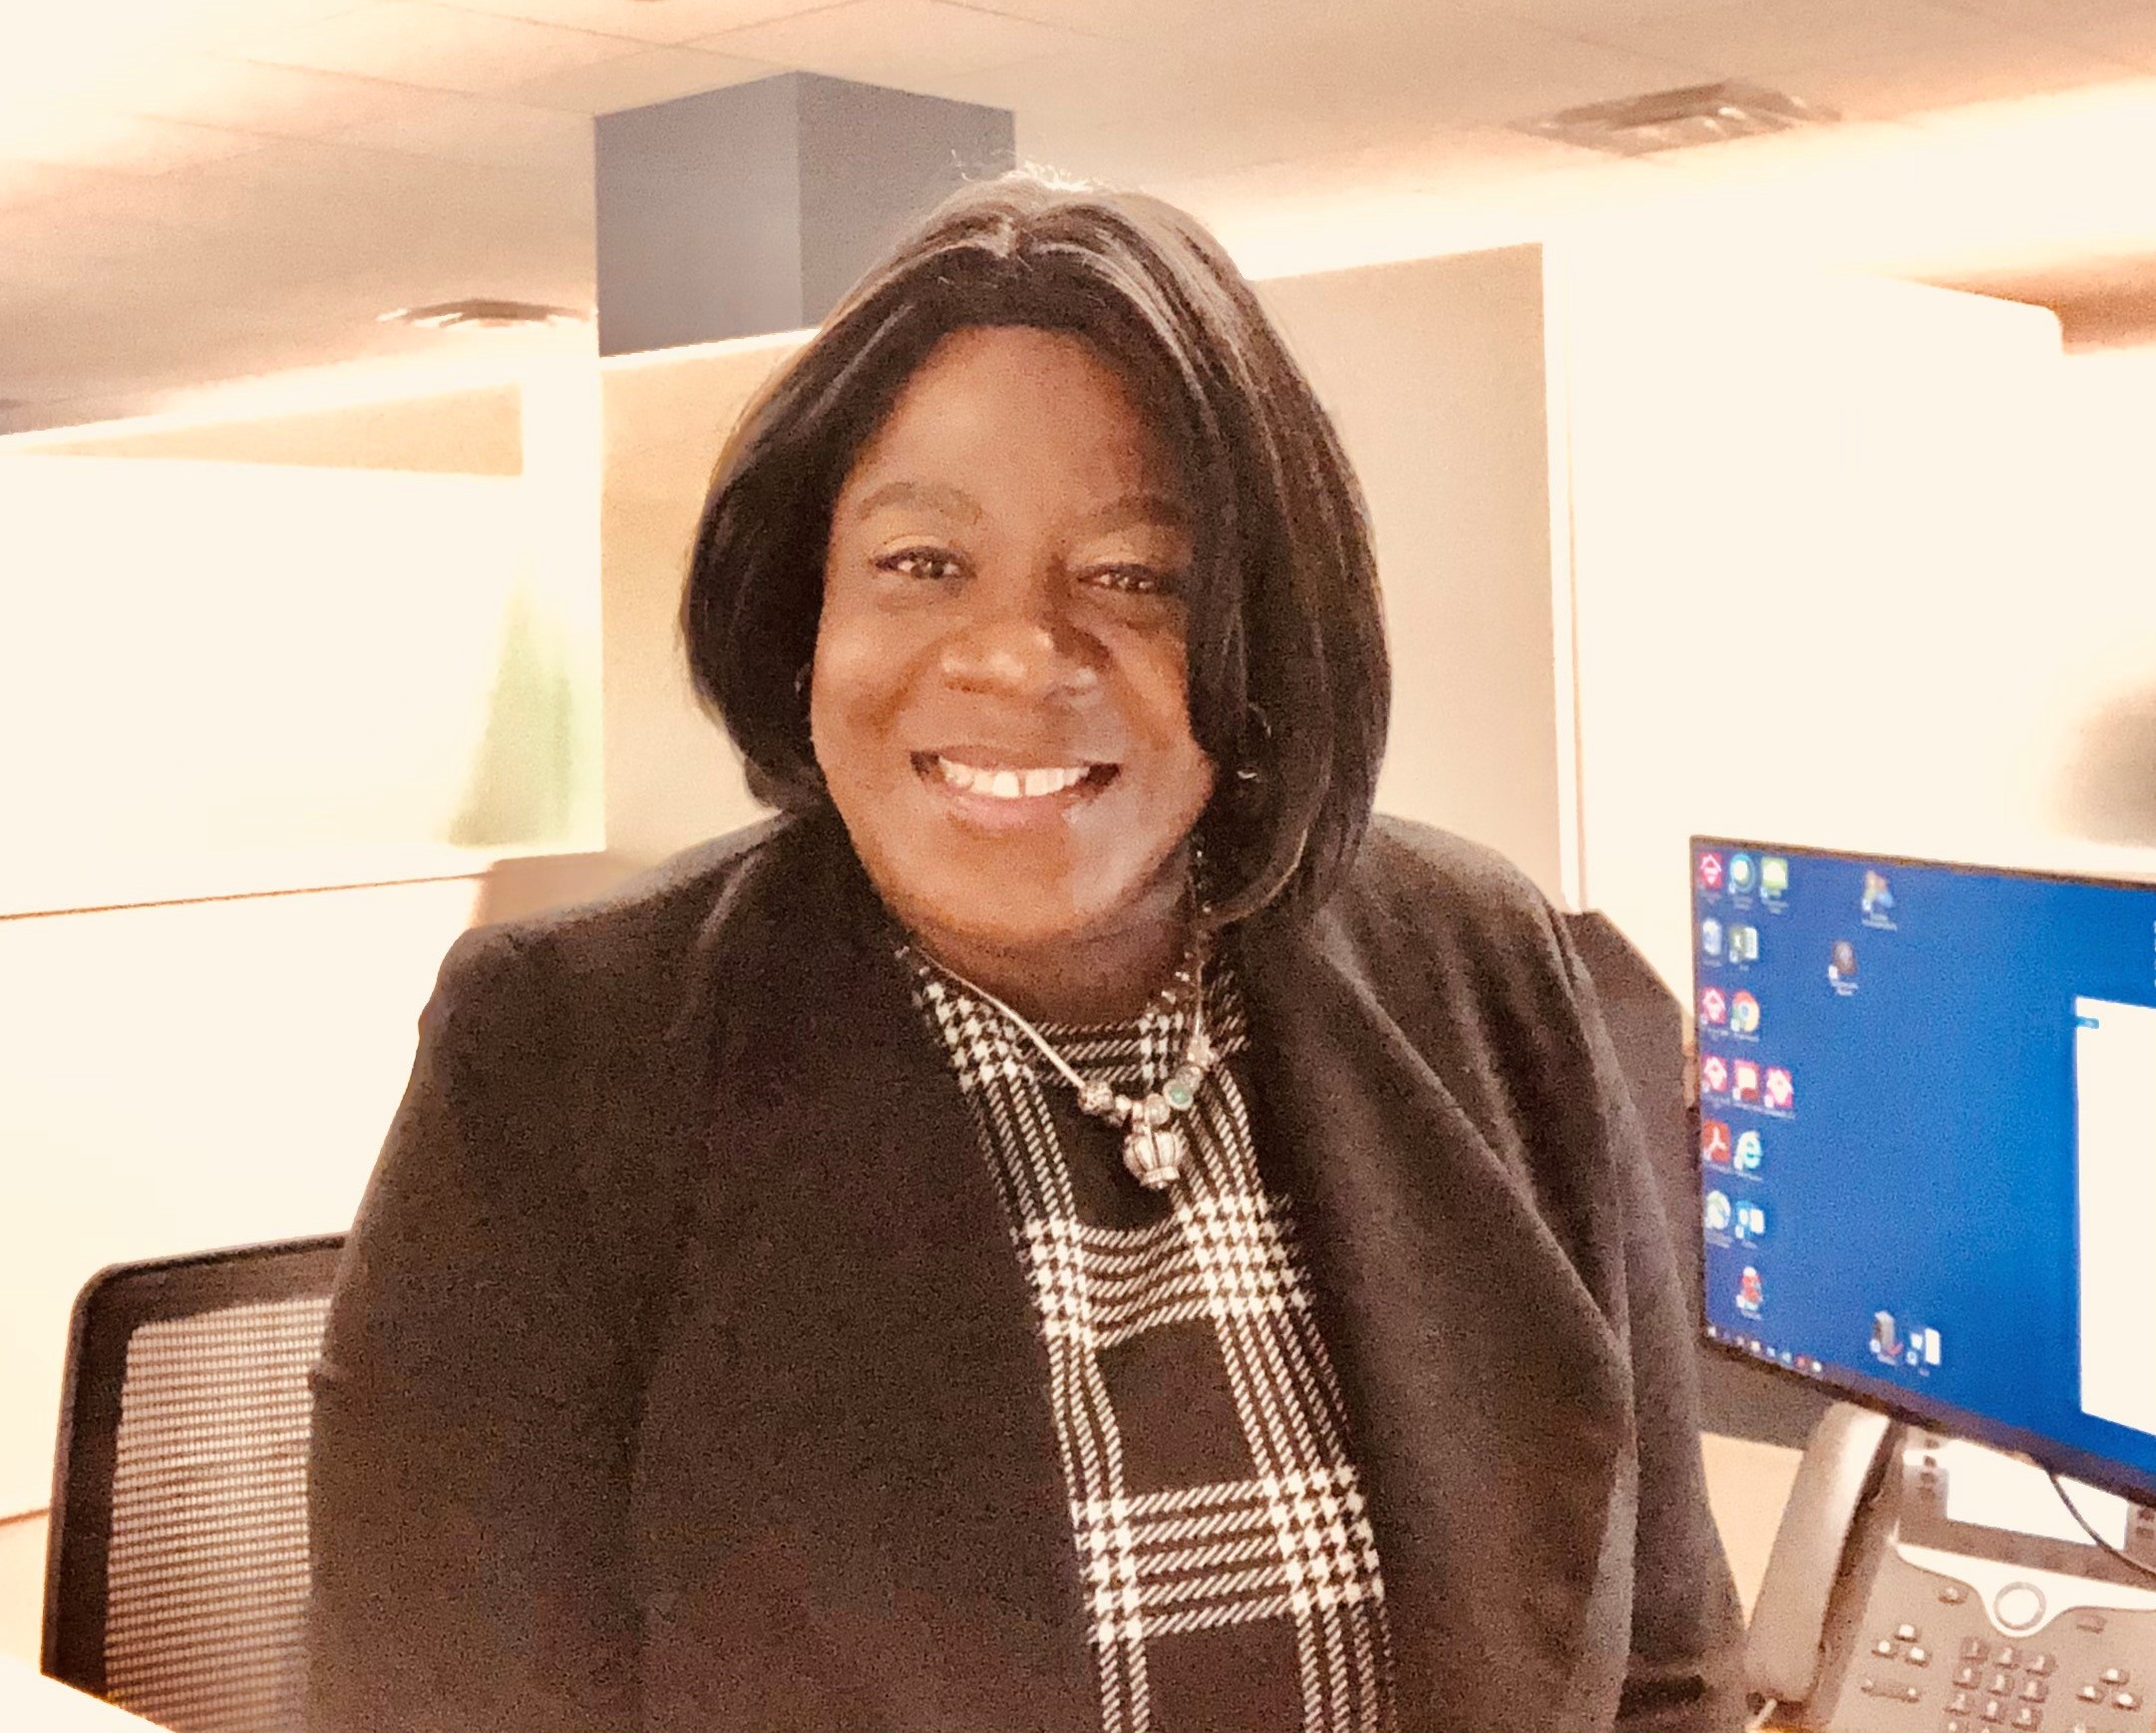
pixel 920 562
pixel 1137 580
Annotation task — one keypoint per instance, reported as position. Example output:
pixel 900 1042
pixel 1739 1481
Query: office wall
pixel 2102 568
pixel 1831 587
pixel 278 695
pixel 180 1077
pixel 672 778
pixel 1434 373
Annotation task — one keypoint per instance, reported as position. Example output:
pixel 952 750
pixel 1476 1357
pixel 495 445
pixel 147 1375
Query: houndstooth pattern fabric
pixel 1146 1300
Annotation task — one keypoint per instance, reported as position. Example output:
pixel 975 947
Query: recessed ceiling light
pixel 1707 113
pixel 444 315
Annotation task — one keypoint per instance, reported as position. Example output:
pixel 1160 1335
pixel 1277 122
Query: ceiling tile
pixel 913 44
pixel 2123 30
pixel 281 101
pixel 1890 89
pixel 1448 160
pixel 1177 22
pixel 98 250
pixel 61 51
pixel 86 138
pixel 1597 17
pixel 413 42
pixel 1275 112
pixel 218 24
pixel 24 182
pixel 1740 38
pixel 1336 82
pixel 654 75
pixel 1508 88
pixel 485 130
pixel 665 21
pixel 341 208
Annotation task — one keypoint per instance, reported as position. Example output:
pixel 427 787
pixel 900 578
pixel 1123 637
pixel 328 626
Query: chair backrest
pixel 176 1573
pixel 1646 1027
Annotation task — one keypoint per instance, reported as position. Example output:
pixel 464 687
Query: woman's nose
pixel 1018 639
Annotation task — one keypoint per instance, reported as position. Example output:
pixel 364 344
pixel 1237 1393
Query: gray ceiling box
pixel 754 209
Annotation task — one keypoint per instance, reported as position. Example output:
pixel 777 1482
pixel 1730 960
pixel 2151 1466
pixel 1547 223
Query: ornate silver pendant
pixel 1154 1153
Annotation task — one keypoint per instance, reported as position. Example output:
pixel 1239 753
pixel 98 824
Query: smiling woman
pixel 1073 1225
pixel 998 700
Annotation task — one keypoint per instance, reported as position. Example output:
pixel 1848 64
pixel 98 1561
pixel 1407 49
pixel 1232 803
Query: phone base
pixel 1939 1625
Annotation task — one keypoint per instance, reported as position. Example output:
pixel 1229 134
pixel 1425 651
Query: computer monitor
pixel 1928 1142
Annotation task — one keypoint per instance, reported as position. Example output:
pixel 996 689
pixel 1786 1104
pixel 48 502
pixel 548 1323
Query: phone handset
pixel 1789 1620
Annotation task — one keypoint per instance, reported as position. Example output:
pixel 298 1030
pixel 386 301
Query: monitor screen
pixel 1927 1141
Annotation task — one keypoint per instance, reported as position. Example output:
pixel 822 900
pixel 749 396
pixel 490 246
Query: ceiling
pixel 195 190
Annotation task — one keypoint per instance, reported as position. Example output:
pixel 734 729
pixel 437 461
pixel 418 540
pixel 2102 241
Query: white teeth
pixel 1011 785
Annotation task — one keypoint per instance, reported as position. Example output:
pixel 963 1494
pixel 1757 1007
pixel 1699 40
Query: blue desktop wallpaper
pixel 1888 1159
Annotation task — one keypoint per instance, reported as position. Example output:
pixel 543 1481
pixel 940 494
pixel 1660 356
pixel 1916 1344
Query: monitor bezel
pixel 2050 1453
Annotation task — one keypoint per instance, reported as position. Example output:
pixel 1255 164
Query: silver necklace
pixel 1154 1146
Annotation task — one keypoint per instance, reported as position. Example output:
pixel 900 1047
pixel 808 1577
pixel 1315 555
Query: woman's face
pixel 998 702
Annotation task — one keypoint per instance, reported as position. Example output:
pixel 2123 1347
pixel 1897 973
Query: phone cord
pixel 2073 1509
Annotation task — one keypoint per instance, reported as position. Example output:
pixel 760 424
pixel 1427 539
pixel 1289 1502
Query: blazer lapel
pixel 1487 1390
pixel 850 1489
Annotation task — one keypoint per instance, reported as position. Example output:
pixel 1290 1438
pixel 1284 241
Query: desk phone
pixel 1895 1602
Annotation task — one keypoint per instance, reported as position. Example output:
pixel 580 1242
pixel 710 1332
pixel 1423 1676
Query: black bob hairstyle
pixel 1289 681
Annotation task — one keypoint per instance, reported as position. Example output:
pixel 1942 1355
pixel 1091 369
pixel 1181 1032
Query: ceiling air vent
pixel 1707 113
pixel 444 315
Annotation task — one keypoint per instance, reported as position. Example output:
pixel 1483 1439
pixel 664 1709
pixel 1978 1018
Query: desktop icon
pixel 1773 878
pixel 1742 944
pixel 1714 1142
pixel 1878 901
pixel 1744 1014
pixel 1711 871
pixel 1713 1075
pixel 1885 1340
pixel 1841 963
pixel 1715 1213
pixel 1781 1090
pixel 1748 1153
pixel 1748 1222
pixel 1751 1292
pixel 1742 875
pixel 1713 1006
pixel 1710 938
pixel 1744 1081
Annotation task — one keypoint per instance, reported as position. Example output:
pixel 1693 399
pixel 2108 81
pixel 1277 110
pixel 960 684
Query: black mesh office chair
pixel 1646 1026
pixel 177 1577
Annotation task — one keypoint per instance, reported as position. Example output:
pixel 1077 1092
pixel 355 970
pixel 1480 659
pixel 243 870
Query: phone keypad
pixel 2002 1685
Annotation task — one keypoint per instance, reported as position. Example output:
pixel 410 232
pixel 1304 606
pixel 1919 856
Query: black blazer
pixel 681 1375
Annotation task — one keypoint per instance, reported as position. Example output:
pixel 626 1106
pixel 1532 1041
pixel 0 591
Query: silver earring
pixel 1249 777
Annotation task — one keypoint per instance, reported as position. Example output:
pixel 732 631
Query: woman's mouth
pixel 995 778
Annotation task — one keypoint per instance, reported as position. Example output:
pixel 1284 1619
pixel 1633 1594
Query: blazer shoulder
pixel 648 923
pixel 1447 891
